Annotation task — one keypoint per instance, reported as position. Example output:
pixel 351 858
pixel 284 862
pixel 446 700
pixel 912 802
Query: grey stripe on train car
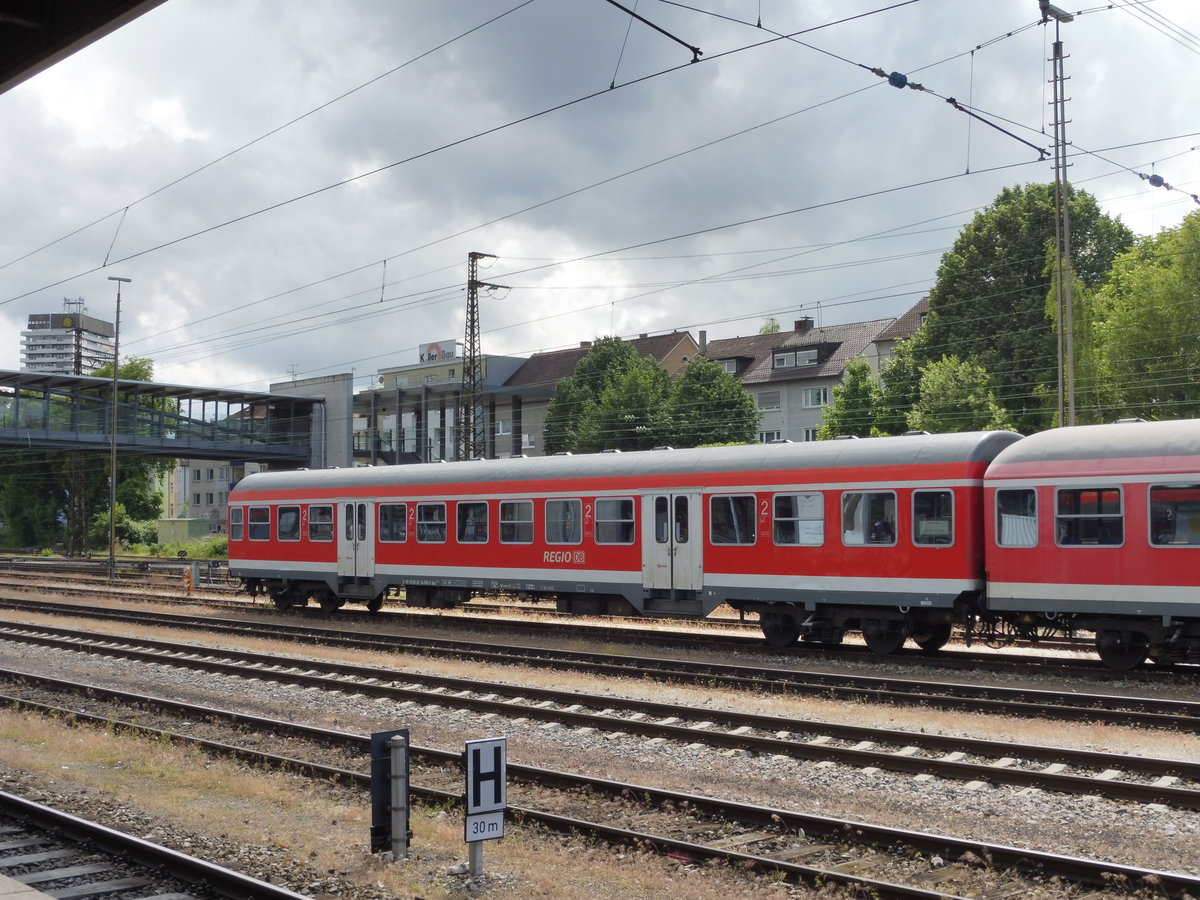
pixel 890 451
pixel 1121 440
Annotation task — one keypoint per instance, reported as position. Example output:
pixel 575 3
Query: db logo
pixel 578 558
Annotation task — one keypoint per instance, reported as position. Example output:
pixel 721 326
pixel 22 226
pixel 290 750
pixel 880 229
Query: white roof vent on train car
pixel 914 433
pixel 663 447
pixel 780 441
pixel 611 450
pixel 845 437
pixel 1129 421
pixel 564 453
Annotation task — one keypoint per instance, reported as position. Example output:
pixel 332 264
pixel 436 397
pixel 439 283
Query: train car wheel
pixel 883 638
pixel 375 604
pixel 779 630
pixel 933 638
pixel 1122 650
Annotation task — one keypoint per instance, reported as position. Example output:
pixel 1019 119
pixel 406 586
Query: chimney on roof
pixel 704 343
pixel 803 326
pixel 584 344
pixel 643 335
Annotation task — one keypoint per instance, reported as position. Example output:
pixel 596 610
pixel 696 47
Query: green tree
pixel 631 412
pixel 1149 333
pixel 956 396
pixel 988 305
pixel 770 326
pixel 608 359
pixel 900 385
pixel 855 404
pixel 707 405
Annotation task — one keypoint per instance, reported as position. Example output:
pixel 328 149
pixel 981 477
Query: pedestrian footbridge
pixel 39 411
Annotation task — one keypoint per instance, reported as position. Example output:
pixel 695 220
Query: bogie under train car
pixel 894 537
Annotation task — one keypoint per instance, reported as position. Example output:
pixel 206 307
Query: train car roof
pixel 1154 445
pixel 917 449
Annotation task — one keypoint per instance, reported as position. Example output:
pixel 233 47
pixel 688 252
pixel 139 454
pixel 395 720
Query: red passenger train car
pixel 1097 528
pixel 899 538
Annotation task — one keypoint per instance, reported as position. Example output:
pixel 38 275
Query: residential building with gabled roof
pixel 791 374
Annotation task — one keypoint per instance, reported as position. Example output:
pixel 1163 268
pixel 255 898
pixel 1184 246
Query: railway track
pixel 709 634
pixel 863 858
pixel 1120 777
pixel 65 856
pixel 1070 705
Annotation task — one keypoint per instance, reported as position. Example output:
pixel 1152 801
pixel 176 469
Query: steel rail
pixel 367 681
pixel 1115 709
pixel 1094 872
pixel 225 882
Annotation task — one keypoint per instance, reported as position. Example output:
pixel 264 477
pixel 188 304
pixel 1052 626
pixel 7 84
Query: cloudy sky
pixel 294 188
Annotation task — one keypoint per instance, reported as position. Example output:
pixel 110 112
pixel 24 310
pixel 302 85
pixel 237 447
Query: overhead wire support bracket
pixel 696 51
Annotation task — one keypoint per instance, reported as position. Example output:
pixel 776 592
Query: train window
pixel 933 518
pixel 732 520
pixel 516 521
pixel 260 523
pixel 800 519
pixel 1089 517
pixel 320 523
pixel 869 517
pixel 662 520
pixel 235 523
pixel 431 523
pixel 472 523
pixel 614 520
pixel 1174 515
pixel 287 525
pixel 393 523
pixel 1016 518
pixel 564 521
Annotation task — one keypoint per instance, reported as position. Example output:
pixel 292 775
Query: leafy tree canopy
pixel 956 396
pixel 855 404
pixel 707 405
pixel 608 359
pixel 1149 311
pixel 988 305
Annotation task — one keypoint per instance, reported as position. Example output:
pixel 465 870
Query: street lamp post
pixel 112 472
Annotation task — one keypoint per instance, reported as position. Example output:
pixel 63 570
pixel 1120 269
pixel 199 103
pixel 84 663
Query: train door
pixel 672 542
pixel 356 539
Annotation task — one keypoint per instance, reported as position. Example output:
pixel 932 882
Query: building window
pixel 788 359
pixel 1016 518
pixel 614 521
pixel 516 521
pixel 728 365
pixel 933 517
pixel 472 523
pixel 1175 514
pixel 564 521
pixel 815 396
pixel 767 399
pixel 393 522
pixel 810 434
pixel 800 519
pixel 208 498
pixel 287 526
pixel 211 473
pixel 868 517
pixel 196 499
pixel 732 520
pixel 1089 517
pixel 320 523
pixel 503 427
pixel 765 437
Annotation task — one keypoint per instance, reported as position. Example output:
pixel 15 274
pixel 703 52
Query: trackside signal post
pixel 389 793
pixel 486 763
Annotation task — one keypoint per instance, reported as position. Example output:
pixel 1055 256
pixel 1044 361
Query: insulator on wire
pixel 898 80
pixel 1156 180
